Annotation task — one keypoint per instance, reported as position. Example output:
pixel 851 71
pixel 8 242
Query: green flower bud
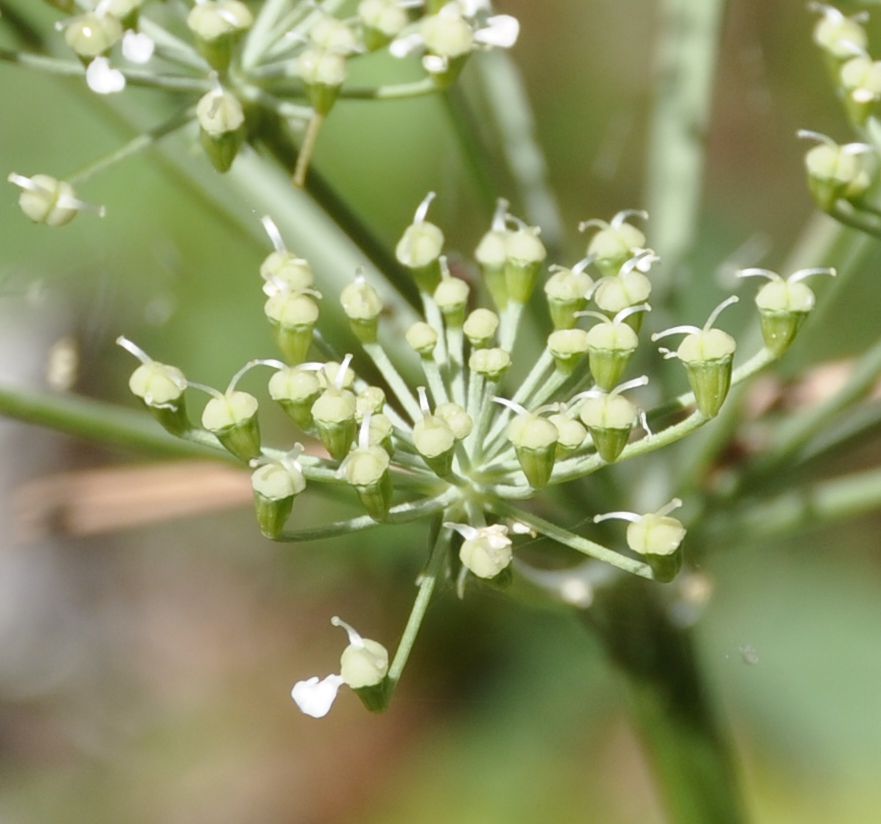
pixel 435 442
pixel 524 255
pixel 616 241
pixel 369 401
pixel 92 34
pixel 861 82
pixel 232 417
pixel 334 417
pixel 160 387
pixel 614 294
pixel 364 667
pixel 283 271
pixel 422 339
pixel 456 418
pixel 221 127
pixel 295 390
pixel 491 255
pixel 362 307
pixel 609 418
pixel 366 469
pixel 835 172
pixel 491 363
pixel 217 26
pixel 420 247
pixel 570 434
pixel 126 11
pixel 382 20
pixel 451 297
pixel 380 431
pixel 275 486
pixel 535 442
pixel 708 355
pixel 783 305
pixel 332 35
pixel 480 328
pixel 485 552
pixel 339 375
pixel 45 199
pixel 566 291
pixel 610 346
pixel 293 316
pixel 449 40
pixel 656 537
pixel 568 347
pixel 839 36
pixel 323 73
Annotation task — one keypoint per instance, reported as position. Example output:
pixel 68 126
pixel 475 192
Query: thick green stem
pixel 670 706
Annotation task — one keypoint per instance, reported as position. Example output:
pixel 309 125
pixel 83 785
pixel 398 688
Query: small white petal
pixel 137 47
pixel 470 8
pixel 314 697
pixel 102 79
pixel 405 45
pixel 434 64
pixel 501 31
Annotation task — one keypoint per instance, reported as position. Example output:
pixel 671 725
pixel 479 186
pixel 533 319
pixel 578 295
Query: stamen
pixel 271 229
pixel 364 432
pixel 801 274
pixel 134 349
pixel 644 423
pixel 208 390
pixel 275 364
pixel 642 380
pixel 594 221
pixel 500 216
pixel 582 264
pixel 622 216
pixel 673 505
pixel 444 267
pixel 515 407
pixel 616 516
pixel 714 315
pixel 685 329
pixel 422 210
pixel 856 149
pixel 817 137
pixel 423 401
pixel 354 638
pixel 467 531
pixel 756 272
pixel 627 311
pixel 642 261
pixel 341 374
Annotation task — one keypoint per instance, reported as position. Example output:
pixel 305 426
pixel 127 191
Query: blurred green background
pixel 144 671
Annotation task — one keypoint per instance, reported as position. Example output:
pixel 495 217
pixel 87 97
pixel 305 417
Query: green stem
pixel 570 539
pixel 307 148
pixel 670 705
pixel 427 583
pixel 685 69
pixel 393 378
pixel 862 221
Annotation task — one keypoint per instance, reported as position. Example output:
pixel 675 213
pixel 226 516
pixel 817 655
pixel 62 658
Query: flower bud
pixel 839 36
pixel 364 667
pixel 293 316
pixel 340 375
pixel 610 346
pixel 861 83
pixel 217 26
pixel 485 552
pixel 491 363
pixel 382 20
pixel 366 469
pixel 45 199
pixel 615 242
pixel 449 40
pixel 126 11
pixel 362 307
pixel 566 291
pixel 283 271
pixel 232 417
pixel 221 127
pixel 783 305
pixel 480 328
pixel 568 347
pixel 422 339
pixel 161 388
pixel 609 419
pixel 332 35
pixel 369 401
pixel 380 431
pixel 456 418
pixel 275 486
pixel 334 417
pixel 614 294
pixel 420 247
pixel 92 34
pixel 295 390
pixel 524 255
pixel 836 171
pixel 323 73
pixel 570 434
pixel 491 256
pixel 451 297
pixel 435 442
pixel 708 355
pixel 535 442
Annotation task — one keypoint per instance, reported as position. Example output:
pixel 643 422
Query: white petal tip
pixel 315 697
pixel 102 79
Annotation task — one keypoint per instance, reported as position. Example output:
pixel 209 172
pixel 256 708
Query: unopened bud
pixel 836 171
pixel 383 20
pixel 232 418
pixel 570 434
pixel 217 26
pixel 92 34
pixel 535 442
pixel 334 417
pixel 323 73
pixel 566 291
pixel 839 36
pixel 480 328
pixel 491 255
pixel 295 390
pixel 491 363
pixel 221 127
pixel 275 486
pixel 422 339
pixel 524 255
pixel 568 347
pixel 370 401
pixel 456 418
pixel 435 442
pixel 293 317
pixel 362 307
pixel 615 242
pixel 366 469
pixel 420 247
pixel 609 419
pixel 451 297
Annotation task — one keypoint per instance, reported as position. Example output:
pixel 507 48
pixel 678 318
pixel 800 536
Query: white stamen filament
pixel 593 222
pixel 801 274
pixel 685 329
pixel 354 638
pixel 622 216
pixel 341 373
pixel 714 315
pixel 500 216
pixel 275 364
pixel 133 349
pixel 515 407
pixel 422 210
pixel 617 516
pixel 627 311
pixel 271 229
pixel 423 401
pixel 667 508
pixel 364 432
pixel 756 272
pixel 817 137
pixel 642 380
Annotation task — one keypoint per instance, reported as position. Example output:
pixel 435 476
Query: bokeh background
pixel 146 654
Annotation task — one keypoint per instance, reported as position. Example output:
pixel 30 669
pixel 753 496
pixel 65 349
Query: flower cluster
pixel 482 430
pixel 231 65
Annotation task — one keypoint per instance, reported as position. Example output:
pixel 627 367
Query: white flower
pixel 485 551
pixel 137 47
pixel 102 78
pixel 364 663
